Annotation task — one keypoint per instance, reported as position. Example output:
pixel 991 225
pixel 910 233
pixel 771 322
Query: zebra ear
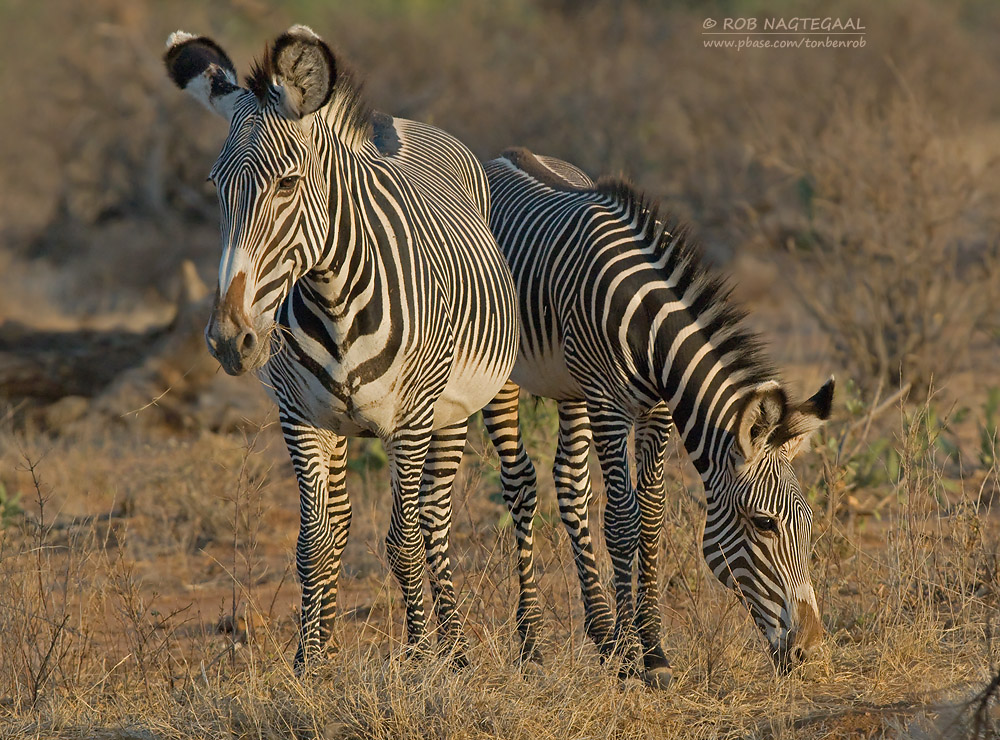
pixel 306 70
pixel 762 412
pixel 801 423
pixel 201 68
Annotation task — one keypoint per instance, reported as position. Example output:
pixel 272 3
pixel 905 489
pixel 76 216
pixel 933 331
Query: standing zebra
pixel 623 326
pixel 360 280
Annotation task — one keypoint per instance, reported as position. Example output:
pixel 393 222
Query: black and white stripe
pixel 360 280
pixel 624 326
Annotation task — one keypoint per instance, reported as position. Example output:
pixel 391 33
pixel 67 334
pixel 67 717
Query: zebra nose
pixel 237 348
pixel 247 343
pixel 797 655
pixel 787 660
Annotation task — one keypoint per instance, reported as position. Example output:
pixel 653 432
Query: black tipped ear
pixel 188 56
pixel 821 402
pixel 801 423
pixel 201 68
pixel 306 68
pixel 763 409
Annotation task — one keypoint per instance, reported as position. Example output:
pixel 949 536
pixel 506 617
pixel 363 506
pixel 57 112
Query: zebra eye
pixel 287 184
pixel 764 524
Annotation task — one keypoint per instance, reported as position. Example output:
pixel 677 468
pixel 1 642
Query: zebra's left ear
pixel 801 423
pixel 305 69
pixel 200 67
pixel 760 415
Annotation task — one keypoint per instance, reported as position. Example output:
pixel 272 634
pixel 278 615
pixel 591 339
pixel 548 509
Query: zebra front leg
pixel 440 467
pixel 621 523
pixel 404 546
pixel 517 475
pixel 320 462
pixel 651 434
pixel 571 474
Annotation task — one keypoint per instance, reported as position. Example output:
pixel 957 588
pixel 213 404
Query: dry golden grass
pixel 111 623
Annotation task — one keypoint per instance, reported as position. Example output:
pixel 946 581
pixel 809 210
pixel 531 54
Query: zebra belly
pixel 545 373
pixel 469 388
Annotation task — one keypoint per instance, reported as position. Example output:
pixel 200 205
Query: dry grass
pixel 111 622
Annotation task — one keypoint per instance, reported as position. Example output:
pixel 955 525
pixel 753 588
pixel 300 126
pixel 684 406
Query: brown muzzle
pixel 802 640
pixel 230 334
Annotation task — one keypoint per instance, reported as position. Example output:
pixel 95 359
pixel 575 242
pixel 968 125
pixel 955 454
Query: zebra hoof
pixel 309 661
pixel 656 672
pixel 416 652
pixel 529 654
pixel 627 653
pixel 658 678
pixel 529 632
pixel 530 662
pixel 458 658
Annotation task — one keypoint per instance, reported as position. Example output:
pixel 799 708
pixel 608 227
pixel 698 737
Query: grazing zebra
pixel 360 280
pixel 623 326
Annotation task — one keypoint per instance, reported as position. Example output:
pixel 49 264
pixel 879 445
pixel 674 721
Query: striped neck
pixel 348 116
pixel 700 357
pixel 704 408
pixel 349 264
pixel 672 316
pixel 700 376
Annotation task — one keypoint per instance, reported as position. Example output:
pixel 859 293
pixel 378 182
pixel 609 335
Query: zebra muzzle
pixel 798 645
pixel 230 335
pixel 236 345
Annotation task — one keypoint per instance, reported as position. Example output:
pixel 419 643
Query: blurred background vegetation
pixel 854 188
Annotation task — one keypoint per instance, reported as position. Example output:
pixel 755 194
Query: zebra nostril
pixel 248 342
pixel 798 655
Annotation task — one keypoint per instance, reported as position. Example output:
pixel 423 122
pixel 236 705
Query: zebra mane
pixel 724 320
pixel 351 107
pixel 639 207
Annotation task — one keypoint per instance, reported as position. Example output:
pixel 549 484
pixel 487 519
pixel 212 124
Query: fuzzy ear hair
pixel 305 68
pixel 762 412
pixel 201 68
pixel 801 423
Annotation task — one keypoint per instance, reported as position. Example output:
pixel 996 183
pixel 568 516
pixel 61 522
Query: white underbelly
pixel 546 375
pixel 469 389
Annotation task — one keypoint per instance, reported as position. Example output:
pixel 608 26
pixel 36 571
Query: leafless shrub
pixel 895 242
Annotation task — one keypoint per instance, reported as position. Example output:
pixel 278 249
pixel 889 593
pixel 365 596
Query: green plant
pixel 366 456
pixel 10 507
pixel 988 438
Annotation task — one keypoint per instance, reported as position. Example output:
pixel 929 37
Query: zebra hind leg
pixel 571 474
pixel 621 525
pixel 651 434
pixel 406 451
pixel 440 467
pixel 517 474
pixel 320 461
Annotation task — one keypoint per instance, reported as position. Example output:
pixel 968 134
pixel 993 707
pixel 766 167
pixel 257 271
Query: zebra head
pixel 272 185
pixel 759 525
